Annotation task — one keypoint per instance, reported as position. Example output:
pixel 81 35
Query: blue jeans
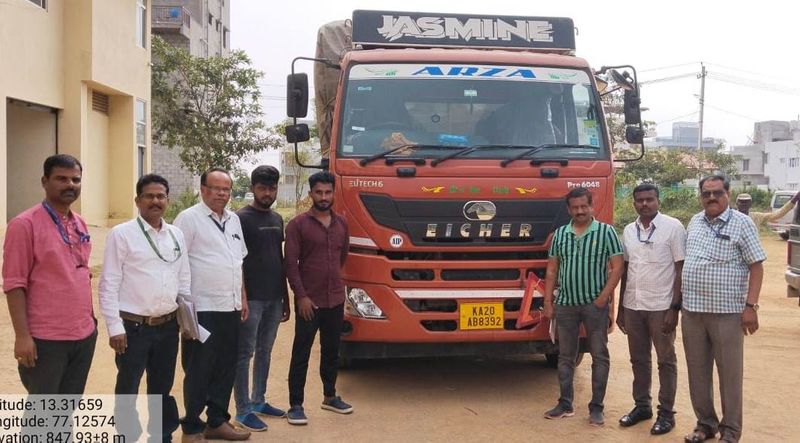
pixel 256 337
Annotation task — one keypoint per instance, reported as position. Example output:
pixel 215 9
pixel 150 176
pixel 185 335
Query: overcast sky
pixel 753 44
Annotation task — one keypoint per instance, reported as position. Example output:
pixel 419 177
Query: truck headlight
pixel 359 304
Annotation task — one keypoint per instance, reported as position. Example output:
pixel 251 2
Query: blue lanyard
pixel 221 227
pixel 82 236
pixel 718 232
pixel 649 236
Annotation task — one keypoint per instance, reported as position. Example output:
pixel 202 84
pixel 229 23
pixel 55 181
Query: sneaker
pixel 336 404
pixel 596 418
pixel 267 410
pixel 559 411
pixel 296 416
pixel 250 422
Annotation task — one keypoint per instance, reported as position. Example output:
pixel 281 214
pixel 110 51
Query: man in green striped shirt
pixel 586 258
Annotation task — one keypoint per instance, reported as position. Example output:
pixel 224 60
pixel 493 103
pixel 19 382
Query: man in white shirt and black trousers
pixel 216 249
pixel 650 300
pixel 144 269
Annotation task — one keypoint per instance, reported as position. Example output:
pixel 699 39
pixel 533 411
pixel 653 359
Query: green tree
pixel 241 183
pixel 208 108
pixel 663 167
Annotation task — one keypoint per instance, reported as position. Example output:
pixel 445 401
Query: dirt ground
pixel 476 400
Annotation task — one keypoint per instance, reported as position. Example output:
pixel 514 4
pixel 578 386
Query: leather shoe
pixel 662 425
pixel 636 415
pixel 225 432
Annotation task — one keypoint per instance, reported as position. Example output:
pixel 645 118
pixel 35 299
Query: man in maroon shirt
pixel 315 250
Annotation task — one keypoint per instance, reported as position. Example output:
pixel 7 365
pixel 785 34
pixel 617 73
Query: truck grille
pixel 445 222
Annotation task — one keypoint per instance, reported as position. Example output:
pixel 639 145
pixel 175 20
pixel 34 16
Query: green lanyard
pixel 153 245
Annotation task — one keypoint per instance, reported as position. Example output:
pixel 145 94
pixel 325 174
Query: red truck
pixel 454 139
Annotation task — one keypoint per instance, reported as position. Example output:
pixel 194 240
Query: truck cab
pixel 454 140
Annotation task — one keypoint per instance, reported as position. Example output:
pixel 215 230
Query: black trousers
pixel 329 323
pixel 62 366
pixel 153 349
pixel 210 369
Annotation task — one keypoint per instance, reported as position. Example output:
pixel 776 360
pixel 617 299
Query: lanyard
pixel 718 232
pixel 153 245
pixel 221 227
pixel 649 236
pixel 82 237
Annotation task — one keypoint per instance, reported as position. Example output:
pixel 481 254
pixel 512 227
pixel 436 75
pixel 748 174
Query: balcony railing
pixel 171 17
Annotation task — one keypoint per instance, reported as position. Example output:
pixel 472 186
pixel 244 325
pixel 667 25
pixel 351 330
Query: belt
pixel 150 321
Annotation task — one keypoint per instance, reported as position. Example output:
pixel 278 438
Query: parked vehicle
pixel 454 139
pixel 781 226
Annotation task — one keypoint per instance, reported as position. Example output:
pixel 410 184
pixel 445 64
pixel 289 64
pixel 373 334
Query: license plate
pixel 481 316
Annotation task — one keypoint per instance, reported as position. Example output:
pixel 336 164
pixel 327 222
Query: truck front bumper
pixel 792 283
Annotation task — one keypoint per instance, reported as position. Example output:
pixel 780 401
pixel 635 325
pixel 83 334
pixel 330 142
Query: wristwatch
pixel 752 305
pixel 675 306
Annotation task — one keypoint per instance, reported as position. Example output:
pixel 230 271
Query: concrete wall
pixel 782 172
pixel 31 138
pixel 56 57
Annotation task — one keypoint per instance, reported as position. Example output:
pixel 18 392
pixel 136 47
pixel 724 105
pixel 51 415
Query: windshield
pixel 781 200
pixel 458 106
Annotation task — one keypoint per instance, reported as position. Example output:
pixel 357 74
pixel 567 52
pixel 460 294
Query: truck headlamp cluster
pixel 359 304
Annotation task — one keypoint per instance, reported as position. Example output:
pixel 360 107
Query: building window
pixel 141 22
pixel 225 37
pixel 745 165
pixel 210 19
pixel 794 162
pixel 141 133
pixel 40 3
pixel 783 160
pixel 766 158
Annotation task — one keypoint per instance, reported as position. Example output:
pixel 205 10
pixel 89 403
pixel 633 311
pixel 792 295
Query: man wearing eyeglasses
pixel 216 250
pixel 650 297
pixel 145 268
pixel 47 283
pixel 722 277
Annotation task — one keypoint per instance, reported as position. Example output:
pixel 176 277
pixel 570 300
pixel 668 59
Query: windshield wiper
pixel 384 154
pixel 473 149
pixel 534 149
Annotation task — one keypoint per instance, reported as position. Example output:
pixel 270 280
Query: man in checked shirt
pixel 722 277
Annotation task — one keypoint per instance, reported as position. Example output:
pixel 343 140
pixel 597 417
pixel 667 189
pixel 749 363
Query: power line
pixel 747 72
pixel 668 67
pixel 733 113
pixel 755 84
pixel 677 118
pixel 666 79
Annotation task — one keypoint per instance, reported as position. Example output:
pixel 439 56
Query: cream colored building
pixel 75 79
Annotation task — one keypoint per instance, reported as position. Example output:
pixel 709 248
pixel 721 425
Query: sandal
pixel 700 434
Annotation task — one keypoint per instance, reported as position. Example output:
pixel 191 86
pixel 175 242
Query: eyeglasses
pixel 218 189
pixel 154 196
pixel 717 194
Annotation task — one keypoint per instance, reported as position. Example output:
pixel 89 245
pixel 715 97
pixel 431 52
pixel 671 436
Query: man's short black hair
pixel 321 177
pixel 578 193
pixel 266 175
pixel 204 177
pixel 60 161
pixel 717 177
pixel 644 187
pixel 149 179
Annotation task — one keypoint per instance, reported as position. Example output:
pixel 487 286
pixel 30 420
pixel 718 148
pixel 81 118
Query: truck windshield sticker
pixel 471 72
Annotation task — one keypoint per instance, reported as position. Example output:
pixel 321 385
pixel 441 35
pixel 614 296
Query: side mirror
pixel 631 105
pixel 297 95
pixel 634 135
pixel 297 133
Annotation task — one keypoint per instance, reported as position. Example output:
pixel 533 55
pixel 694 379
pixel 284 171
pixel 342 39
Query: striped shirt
pixel 583 261
pixel 718 255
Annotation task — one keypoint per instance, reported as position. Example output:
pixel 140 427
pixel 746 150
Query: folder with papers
pixel 187 319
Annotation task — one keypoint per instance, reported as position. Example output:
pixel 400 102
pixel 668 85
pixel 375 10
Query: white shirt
pixel 216 250
pixel 651 255
pixel 135 279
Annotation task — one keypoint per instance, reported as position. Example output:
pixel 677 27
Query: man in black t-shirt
pixel 267 298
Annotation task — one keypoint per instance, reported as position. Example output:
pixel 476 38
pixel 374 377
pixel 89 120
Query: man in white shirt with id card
pixel 145 268
pixel 650 300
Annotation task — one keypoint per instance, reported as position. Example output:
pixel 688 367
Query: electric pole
pixel 700 155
